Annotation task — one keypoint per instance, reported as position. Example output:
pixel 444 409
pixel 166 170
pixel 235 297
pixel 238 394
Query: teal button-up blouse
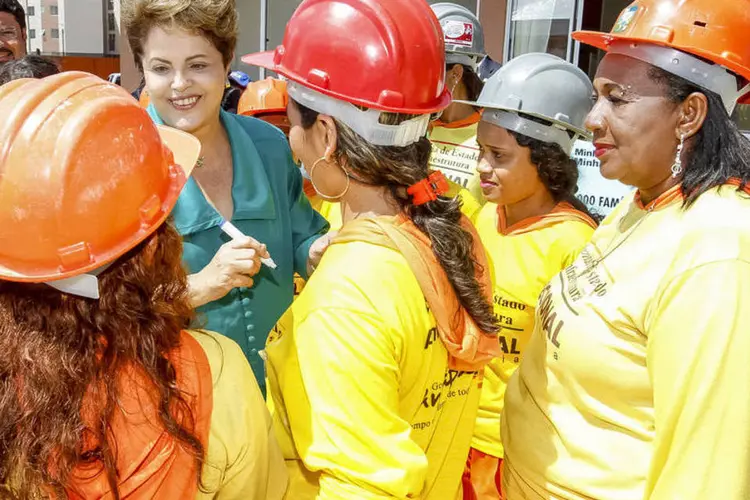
pixel 270 206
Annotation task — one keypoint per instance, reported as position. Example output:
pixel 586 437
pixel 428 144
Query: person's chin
pixel 187 122
pixel 493 196
pixel 611 169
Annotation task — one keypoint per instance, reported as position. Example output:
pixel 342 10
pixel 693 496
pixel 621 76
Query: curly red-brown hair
pixel 57 346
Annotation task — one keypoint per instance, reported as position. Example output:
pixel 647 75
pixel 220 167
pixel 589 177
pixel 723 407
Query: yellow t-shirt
pixel 634 384
pixel 524 258
pixel 243 459
pixel 365 406
pixel 455 152
pixel 331 211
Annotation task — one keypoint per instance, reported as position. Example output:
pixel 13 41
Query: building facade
pixel 72 27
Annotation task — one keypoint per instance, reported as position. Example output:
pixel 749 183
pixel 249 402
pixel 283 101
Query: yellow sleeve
pixel 474 188
pixel 243 458
pixel 470 207
pixel 354 434
pixel 698 364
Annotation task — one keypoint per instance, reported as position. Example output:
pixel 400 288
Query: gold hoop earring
pixel 321 194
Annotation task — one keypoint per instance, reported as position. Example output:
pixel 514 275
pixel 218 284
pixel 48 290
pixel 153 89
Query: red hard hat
pixel 85 175
pixel 713 30
pixel 387 55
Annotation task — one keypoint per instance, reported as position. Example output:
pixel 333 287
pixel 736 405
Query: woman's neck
pixel 649 194
pixel 212 136
pixel 538 204
pixel 367 201
pixel 458 111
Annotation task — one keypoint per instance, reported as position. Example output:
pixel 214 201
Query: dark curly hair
pixel 30 66
pixel 57 346
pixel 557 170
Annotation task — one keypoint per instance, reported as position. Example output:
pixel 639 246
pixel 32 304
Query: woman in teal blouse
pixel 246 175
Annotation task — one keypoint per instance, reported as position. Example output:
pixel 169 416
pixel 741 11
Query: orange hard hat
pixel 266 100
pixel 710 30
pixel 85 175
pixel 264 96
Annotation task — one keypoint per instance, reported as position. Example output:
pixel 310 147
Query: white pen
pixel 234 233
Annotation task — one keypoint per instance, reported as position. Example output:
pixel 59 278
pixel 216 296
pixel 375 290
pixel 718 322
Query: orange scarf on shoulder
pixel 563 212
pixel 469 348
pixel 150 462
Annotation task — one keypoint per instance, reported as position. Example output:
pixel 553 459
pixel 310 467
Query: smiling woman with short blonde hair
pixel 246 174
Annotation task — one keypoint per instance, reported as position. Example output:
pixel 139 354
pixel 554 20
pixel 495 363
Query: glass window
pixel 32 33
pixel 30 10
pixel 53 10
pixel 55 33
pixel 111 22
pixel 111 43
pixel 541 26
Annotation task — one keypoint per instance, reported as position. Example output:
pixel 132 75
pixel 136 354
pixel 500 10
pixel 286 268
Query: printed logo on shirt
pixel 547 317
pixel 584 278
pixel 516 320
pixel 455 384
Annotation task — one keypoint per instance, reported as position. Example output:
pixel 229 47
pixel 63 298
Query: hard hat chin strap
pixel 708 76
pixel 365 122
pixel 84 285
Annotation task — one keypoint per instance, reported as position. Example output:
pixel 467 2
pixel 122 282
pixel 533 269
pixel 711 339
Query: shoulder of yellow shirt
pixel 341 269
pixel 716 227
pixel 331 210
pixel 242 456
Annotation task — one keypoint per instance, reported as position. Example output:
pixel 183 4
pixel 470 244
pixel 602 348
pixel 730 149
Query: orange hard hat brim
pixel 185 147
pixel 604 40
pixel 270 111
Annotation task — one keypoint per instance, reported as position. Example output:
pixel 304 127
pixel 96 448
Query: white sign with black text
pixel 600 195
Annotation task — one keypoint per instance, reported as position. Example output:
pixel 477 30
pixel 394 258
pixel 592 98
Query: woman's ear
pixel 331 135
pixel 693 112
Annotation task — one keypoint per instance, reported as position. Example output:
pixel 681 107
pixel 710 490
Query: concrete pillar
pixel 492 15
pixel 131 77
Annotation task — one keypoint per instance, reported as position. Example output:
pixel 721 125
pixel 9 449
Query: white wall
pixel 82 25
pixel 249 32
pixel 33 22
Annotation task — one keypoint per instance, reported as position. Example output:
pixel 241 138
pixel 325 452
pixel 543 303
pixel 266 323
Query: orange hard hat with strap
pixel 706 42
pixel 85 175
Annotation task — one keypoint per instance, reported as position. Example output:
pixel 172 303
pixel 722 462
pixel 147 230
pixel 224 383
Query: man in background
pixel 12 31
pixel 30 66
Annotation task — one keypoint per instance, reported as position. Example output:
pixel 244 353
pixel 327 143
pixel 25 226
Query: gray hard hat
pixel 545 88
pixel 463 35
